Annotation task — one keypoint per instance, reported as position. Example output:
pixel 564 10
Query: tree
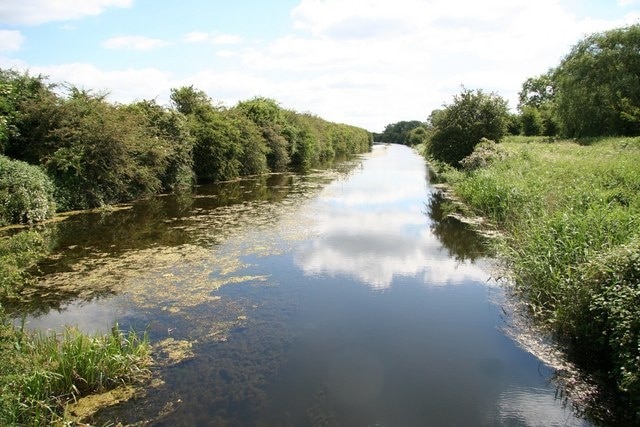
pixel 460 126
pixel 398 133
pixel 598 86
pixel 28 110
pixel 268 115
pixel 531 121
pixel 537 91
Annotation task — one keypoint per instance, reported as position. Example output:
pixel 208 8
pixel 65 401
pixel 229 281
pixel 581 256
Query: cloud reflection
pixel 373 226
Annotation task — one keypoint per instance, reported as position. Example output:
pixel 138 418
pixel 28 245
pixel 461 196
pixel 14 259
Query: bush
pixel 460 126
pixel 532 124
pixel 483 154
pixel 26 193
pixel 614 283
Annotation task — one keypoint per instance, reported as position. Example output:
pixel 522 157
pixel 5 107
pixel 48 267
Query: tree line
pixel 65 148
pixel 593 92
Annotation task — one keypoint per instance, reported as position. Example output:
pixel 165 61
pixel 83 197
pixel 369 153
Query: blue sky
pixel 363 62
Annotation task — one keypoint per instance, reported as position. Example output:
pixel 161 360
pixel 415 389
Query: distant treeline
pixel 593 92
pixel 78 151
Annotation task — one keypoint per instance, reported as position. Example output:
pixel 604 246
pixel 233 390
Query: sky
pixel 367 63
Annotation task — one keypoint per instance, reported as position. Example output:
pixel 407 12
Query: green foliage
pixel 571 221
pixel 485 153
pixel 188 100
pixel 461 125
pixel 27 112
pixel 217 149
pixel 531 121
pixel 611 283
pixel 598 90
pixel 514 124
pixel 104 154
pixel 417 136
pixel 268 116
pixel 40 373
pixel 26 193
pixel 537 92
pixel 399 133
pixel 170 130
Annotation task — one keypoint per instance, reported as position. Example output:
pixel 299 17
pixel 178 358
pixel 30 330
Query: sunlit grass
pixel 570 216
pixel 42 372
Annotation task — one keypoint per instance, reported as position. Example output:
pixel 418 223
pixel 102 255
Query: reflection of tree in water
pixel 461 242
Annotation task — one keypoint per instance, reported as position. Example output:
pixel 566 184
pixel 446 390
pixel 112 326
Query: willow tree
pixel 598 85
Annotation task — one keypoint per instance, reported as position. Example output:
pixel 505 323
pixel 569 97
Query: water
pixel 342 297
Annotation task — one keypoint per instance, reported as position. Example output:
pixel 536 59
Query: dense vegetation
pixel 403 132
pixel 97 153
pixel 41 373
pixel 78 151
pixel 568 210
pixel 570 217
pixel 594 91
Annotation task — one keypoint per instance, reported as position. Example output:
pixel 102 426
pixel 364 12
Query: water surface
pixel 341 297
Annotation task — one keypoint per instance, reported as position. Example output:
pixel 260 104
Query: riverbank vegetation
pixel 569 214
pixel 94 153
pixel 42 373
pixel 565 198
pixel 63 148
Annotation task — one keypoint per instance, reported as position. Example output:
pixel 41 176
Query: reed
pixel 42 372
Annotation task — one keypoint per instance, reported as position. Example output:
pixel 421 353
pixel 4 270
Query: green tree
pixel 417 136
pixel 597 85
pixel 537 91
pixel 531 121
pixel 28 110
pixel 268 115
pixel 458 128
pixel 170 130
pixel 103 154
pixel 398 133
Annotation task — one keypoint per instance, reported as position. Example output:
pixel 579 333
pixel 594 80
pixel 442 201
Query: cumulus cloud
pixel 133 43
pixel 34 12
pixel 10 41
pixel 213 38
pixel 123 85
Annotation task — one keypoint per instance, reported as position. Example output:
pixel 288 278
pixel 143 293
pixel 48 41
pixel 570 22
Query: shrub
pixel 461 125
pixel 26 193
pixel 483 154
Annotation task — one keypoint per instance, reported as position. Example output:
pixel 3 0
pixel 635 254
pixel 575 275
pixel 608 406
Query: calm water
pixel 340 297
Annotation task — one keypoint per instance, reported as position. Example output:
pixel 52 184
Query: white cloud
pixel 213 38
pixel 34 12
pixel 123 85
pixel 375 62
pixel 10 41
pixel 133 43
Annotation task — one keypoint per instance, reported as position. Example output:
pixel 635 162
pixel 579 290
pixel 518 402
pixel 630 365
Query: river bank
pixel 568 217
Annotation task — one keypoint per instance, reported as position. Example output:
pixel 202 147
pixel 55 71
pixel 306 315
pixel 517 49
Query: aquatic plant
pixel 42 372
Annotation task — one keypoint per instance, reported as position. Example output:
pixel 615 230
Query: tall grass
pixel 42 372
pixel 570 214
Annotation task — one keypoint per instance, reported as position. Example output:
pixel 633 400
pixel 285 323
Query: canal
pixel 338 297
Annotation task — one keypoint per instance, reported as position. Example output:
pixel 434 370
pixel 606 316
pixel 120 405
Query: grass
pixel 569 212
pixel 43 372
